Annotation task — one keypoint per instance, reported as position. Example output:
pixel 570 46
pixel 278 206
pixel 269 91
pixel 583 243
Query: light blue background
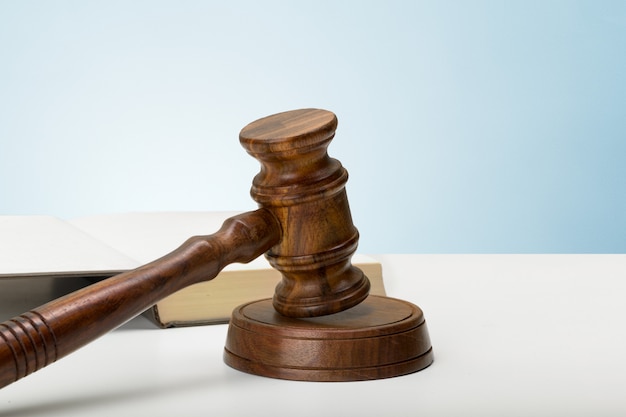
pixel 466 126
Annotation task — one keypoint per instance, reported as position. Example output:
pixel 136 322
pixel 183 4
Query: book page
pixel 146 236
pixel 33 246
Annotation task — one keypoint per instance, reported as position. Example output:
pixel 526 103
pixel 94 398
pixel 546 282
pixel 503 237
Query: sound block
pixel 381 337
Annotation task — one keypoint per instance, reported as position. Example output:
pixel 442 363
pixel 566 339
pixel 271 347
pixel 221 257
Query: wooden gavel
pixel 305 229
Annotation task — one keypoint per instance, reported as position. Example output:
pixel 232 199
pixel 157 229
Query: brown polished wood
pixel 305 189
pixel 380 338
pixel 41 336
pixel 320 326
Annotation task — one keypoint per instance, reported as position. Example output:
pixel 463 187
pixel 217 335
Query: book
pixel 100 246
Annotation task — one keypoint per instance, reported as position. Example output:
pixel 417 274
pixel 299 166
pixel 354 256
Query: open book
pixel 104 245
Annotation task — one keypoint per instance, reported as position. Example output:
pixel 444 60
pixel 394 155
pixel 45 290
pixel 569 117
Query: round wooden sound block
pixel 381 337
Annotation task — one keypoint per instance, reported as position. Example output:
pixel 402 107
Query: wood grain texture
pixel 39 337
pixel 320 324
pixel 305 189
pixel 380 338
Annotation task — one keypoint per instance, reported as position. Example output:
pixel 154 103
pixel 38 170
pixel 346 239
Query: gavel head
pixel 305 189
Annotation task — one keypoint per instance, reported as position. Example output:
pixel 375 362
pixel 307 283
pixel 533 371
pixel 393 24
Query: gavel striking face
pixel 305 229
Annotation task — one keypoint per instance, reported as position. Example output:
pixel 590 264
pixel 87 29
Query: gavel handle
pixel 41 336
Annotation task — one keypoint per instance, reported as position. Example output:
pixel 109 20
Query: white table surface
pixel 513 335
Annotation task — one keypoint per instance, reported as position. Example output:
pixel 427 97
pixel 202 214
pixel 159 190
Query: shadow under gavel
pixel 321 325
